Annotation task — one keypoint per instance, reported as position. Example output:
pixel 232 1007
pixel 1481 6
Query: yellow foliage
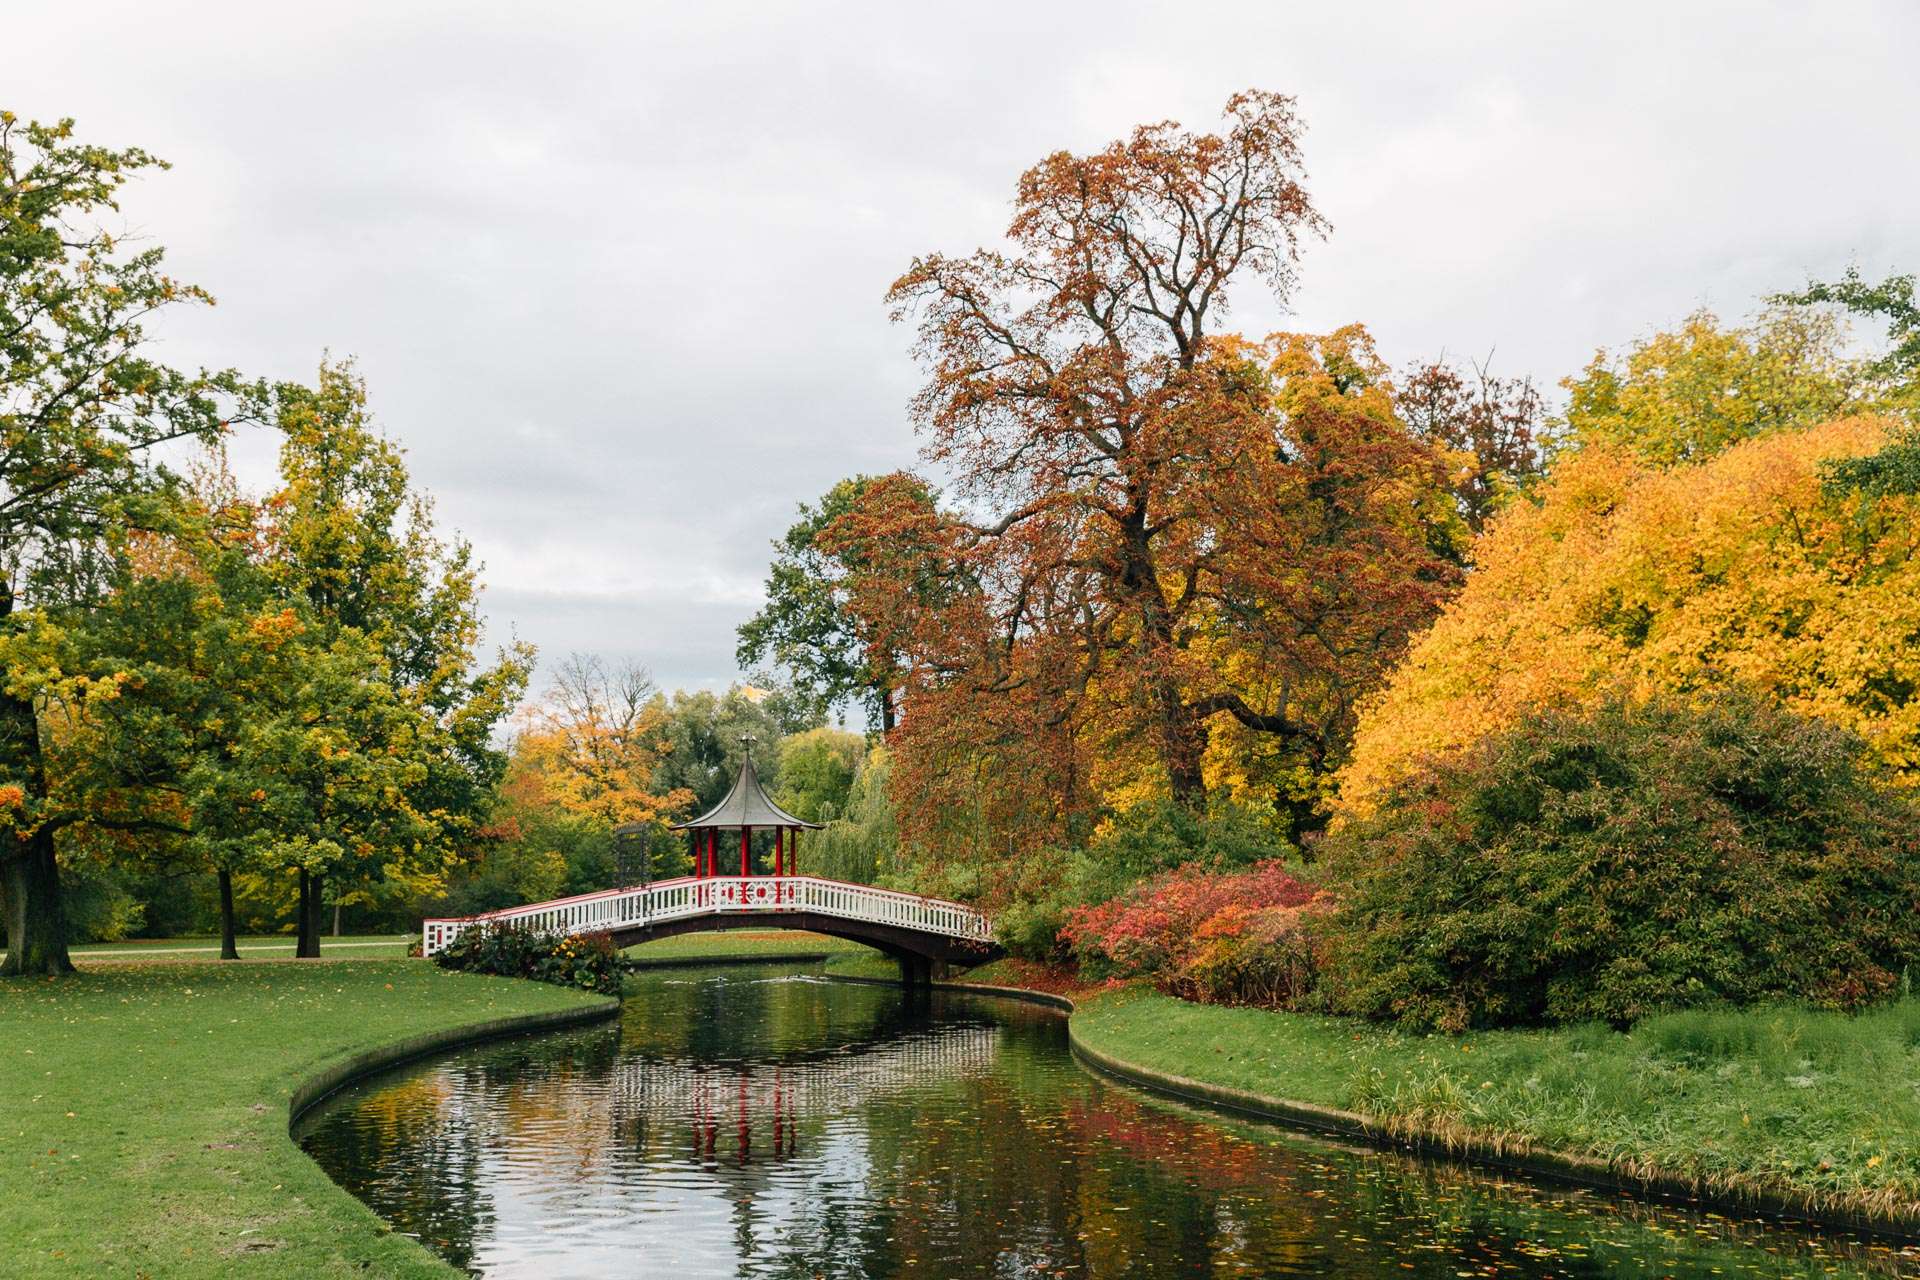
pixel 1627 577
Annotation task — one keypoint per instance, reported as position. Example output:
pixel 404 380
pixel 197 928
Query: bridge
pixel 926 935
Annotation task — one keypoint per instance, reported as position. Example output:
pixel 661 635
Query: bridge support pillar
pixel 919 971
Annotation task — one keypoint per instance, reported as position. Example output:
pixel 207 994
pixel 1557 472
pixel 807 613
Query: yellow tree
pixel 1761 566
pixel 591 746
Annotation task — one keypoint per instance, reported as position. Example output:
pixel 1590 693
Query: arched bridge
pixel 921 933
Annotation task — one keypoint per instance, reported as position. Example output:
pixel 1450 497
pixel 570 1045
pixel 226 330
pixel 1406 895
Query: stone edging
pixel 1554 1166
pixel 337 1076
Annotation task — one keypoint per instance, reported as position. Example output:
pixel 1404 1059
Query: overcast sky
pixel 613 271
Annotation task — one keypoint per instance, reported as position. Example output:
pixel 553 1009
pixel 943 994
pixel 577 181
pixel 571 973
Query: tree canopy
pixel 83 408
pixel 1631 578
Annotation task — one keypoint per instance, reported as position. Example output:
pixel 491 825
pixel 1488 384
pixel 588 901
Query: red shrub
pixel 1229 939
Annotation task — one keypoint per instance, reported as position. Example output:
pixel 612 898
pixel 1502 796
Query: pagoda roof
pixel 746 805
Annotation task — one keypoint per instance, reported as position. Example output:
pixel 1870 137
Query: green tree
pixel 357 548
pixel 860 844
pixel 82 410
pixel 1895 469
pixel 806 628
pixel 1684 395
pixel 1891 301
pixel 816 772
pixel 704 734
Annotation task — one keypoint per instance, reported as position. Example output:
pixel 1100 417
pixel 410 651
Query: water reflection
pixel 766 1125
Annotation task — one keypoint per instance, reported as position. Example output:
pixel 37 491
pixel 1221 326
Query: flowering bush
pixel 589 961
pixel 1234 938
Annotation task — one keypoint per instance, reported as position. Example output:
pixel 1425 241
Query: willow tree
pixel 83 408
pixel 1163 535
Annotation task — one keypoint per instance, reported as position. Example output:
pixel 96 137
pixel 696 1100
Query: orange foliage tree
pixel 591 746
pixel 1178 557
pixel 1633 578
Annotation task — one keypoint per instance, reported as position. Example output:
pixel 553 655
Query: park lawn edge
pixel 1095 1042
pixel 311 1226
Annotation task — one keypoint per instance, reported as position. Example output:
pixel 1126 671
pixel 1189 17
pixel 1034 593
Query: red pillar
pixel 779 861
pixel 713 867
pixel 793 853
pixel 745 834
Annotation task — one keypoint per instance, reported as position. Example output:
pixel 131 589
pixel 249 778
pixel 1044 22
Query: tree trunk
pixel 1181 742
pixel 228 951
pixel 307 943
pixel 336 919
pixel 1182 733
pixel 36 919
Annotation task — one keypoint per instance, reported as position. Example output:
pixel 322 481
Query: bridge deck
pixel 898 923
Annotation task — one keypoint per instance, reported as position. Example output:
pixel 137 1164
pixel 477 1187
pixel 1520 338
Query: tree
pixel 192 643
pixel 1163 527
pixel 352 542
pixel 1626 578
pixel 816 772
pixel 1892 301
pixel 597 741
pixel 1496 421
pixel 82 410
pixel 806 626
pixel 705 739
pixel 1684 395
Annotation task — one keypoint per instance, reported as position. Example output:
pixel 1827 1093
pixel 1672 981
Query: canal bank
pixel 1783 1113
pixel 766 1123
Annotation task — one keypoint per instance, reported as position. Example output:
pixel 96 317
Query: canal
pixel 770 1123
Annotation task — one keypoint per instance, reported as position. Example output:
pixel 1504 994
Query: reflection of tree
pixel 427 1183
pixel 846 1132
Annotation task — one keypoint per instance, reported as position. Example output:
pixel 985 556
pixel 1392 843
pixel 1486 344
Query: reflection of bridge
pixel 920 932
pixel 744 1111
pixel 809 1085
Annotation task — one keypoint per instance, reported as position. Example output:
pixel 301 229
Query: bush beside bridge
pixel 588 961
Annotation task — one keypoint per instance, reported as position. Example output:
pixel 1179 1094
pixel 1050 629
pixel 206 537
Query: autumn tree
pixel 598 737
pixel 587 758
pixel 83 407
pixel 1163 536
pixel 356 546
pixel 1497 422
pixel 1685 394
pixel 1630 579
pixel 807 628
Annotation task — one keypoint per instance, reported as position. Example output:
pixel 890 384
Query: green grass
pixel 743 944
pixel 1777 1098
pixel 143 1114
pixel 267 946
pixel 864 963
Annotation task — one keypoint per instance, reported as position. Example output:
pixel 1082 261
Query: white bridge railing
pixel 773 896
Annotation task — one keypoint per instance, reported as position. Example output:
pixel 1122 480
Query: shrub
pixel 1224 938
pixel 1605 864
pixel 1046 889
pixel 589 961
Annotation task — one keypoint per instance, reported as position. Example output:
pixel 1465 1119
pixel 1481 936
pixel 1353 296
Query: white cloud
pixel 614 270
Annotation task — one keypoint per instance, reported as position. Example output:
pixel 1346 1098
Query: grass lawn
pixel 354 947
pixel 742 944
pixel 1779 1098
pixel 143 1114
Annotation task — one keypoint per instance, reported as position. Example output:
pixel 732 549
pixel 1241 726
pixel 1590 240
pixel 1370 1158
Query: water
pixel 767 1124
